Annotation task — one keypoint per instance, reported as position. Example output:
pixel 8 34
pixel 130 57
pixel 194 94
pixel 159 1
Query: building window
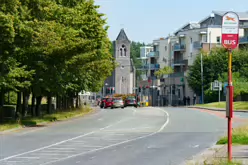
pixel 218 39
pixel 121 52
pixel 165 48
pixel 204 38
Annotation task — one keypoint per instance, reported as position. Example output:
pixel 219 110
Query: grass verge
pixel 59 116
pixel 239 136
pixel 242 105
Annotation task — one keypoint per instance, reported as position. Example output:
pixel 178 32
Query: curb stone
pixel 205 155
pixel 217 109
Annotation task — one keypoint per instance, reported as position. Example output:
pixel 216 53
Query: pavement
pixel 130 136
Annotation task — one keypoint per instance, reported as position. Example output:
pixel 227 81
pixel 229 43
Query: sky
pixel 145 20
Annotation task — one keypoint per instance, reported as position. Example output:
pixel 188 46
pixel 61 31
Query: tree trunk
pixel 57 102
pixel 77 101
pixel 33 105
pixel 25 98
pixel 18 104
pixel 2 98
pixel 49 104
pixel 37 108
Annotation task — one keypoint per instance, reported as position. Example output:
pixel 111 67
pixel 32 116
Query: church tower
pixel 123 79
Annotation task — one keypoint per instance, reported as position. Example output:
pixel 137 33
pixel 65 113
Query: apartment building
pixel 192 38
pixel 160 56
pixel 144 51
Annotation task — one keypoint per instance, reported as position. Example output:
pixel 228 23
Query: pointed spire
pixel 122 35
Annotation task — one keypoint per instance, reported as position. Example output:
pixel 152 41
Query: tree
pixel 135 54
pixel 215 65
pixel 164 71
pixel 240 83
pixel 53 48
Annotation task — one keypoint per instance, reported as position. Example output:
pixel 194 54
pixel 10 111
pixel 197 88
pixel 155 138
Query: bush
pixel 7 111
pixel 10 98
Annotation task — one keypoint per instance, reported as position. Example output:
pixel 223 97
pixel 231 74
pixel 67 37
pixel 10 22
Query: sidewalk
pixel 218 155
pixel 216 109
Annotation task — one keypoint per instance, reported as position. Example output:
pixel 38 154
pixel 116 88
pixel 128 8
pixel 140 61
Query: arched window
pixel 125 52
pixel 121 52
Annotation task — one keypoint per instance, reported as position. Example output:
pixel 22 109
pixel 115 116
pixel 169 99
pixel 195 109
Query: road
pixel 130 136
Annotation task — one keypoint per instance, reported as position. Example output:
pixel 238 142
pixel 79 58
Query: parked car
pixel 131 102
pixel 117 103
pixel 102 103
pixel 108 103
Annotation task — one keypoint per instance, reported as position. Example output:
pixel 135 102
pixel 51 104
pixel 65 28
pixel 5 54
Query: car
pixel 102 102
pixel 108 103
pixel 131 102
pixel 117 103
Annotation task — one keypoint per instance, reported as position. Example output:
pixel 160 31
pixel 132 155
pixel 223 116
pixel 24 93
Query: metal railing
pixel 179 47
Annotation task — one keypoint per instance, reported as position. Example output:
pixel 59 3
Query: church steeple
pixel 122 36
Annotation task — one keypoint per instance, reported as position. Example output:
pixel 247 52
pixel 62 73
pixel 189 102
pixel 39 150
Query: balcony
pixel 149 67
pixel 177 74
pixel 153 54
pixel 197 45
pixel 154 66
pixel 179 62
pixel 179 47
pixel 243 40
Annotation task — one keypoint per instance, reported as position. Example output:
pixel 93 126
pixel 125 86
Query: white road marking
pixel 116 144
pixel 62 148
pixel 55 144
pixel 195 146
pixel 27 158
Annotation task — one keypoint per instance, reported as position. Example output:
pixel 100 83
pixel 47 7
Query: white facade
pixel 144 51
pixel 209 37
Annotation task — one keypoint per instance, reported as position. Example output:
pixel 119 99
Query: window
pixel 165 48
pixel 120 51
pixel 204 38
pixel 218 39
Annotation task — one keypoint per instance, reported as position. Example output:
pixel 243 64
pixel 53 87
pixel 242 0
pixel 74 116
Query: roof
pixel 242 15
pixel 122 36
pixel 192 25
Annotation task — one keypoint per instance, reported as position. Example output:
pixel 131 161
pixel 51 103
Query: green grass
pixel 239 136
pixel 8 126
pixel 237 105
pixel 216 161
pixel 60 116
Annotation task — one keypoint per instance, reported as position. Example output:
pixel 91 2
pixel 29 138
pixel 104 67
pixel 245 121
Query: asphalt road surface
pixel 130 136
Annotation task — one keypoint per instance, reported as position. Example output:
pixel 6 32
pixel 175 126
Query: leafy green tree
pixel 164 71
pixel 215 66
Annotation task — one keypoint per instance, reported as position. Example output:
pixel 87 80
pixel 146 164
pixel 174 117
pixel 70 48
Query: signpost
pixel 217 86
pixel 230 40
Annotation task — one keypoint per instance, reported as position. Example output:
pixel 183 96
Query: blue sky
pixel 145 20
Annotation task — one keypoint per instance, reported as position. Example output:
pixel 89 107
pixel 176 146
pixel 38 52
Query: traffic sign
pixel 230 30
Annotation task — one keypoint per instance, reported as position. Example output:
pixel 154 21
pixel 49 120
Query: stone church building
pixel 123 77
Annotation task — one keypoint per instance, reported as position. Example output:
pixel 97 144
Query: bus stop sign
pixel 230 30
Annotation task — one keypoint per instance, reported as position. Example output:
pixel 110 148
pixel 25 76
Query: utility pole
pixel 202 92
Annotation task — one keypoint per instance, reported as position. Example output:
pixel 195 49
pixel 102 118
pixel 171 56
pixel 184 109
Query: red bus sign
pixel 230 30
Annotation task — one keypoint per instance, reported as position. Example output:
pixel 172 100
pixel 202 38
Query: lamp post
pixel 104 89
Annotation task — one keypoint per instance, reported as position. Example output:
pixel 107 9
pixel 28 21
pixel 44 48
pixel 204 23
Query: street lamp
pixel 104 90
